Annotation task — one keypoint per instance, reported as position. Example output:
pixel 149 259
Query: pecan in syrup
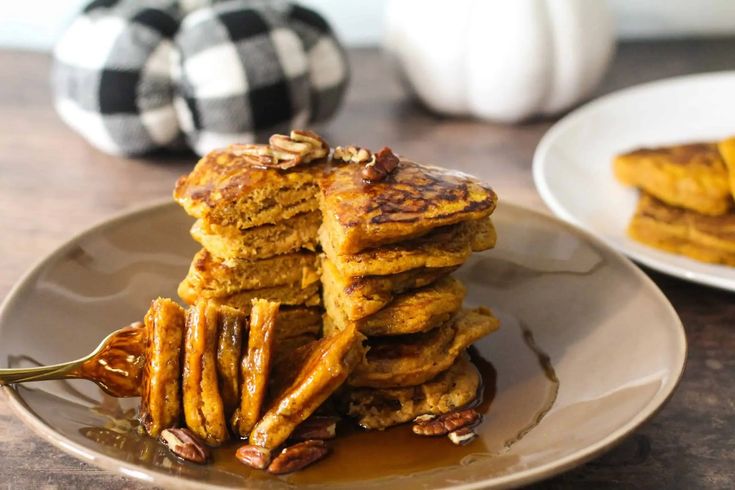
pixel 462 436
pixel 316 427
pixel 184 444
pixel 444 424
pixel 254 456
pixel 298 457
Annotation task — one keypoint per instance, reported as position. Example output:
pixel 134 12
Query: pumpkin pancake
pixel 211 277
pixel 283 349
pixel 256 366
pixel 411 201
pixel 290 295
pixel 295 321
pixel 684 232
pixel 379 408
pixel 296 326
pixel 260 242
pixel 160 398
pixel 359 297
pixel 315 371
pixel 204 410
pixel 225 189
pixel 444 247
pixel 727 150
pixel 410 360
pixel 232 326
pixel 693 176
pixel 412 312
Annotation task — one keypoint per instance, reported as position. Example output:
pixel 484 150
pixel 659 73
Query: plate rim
pixel 540 167
pixel 523 477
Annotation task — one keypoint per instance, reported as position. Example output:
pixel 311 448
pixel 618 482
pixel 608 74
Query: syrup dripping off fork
pixel 116 365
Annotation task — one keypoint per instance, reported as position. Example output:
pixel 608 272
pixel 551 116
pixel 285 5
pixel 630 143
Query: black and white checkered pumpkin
pixel 134 76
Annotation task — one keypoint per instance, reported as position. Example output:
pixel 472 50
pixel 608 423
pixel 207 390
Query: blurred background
pixel 37 24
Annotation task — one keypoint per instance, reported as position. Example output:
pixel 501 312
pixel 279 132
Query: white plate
pixel 572 167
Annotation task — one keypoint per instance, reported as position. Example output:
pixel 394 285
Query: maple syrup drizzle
pixel 358 454
pixel 379 454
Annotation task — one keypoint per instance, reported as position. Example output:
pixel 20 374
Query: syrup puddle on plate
pixel 519 388
pixel 518 379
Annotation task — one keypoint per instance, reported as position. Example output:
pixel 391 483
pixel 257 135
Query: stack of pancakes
pixel 389 249
pixel 686 204
pixel 258 229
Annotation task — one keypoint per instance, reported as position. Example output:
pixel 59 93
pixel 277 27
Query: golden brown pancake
pixel 684 232
pixel 316 371
pixel 444 247
pixel 410 360
pixel 296 326
pixel 256 366
pixel 204 409
pixel 379 408
pixel 359 297
pixel 283 349
pixel 727 151
pixel 411 201
pixel 232 326
pixel 160 400
pixel 692 176
pixel 412 312
pixel 210 277
pixel 225 189
pixel 295 321
pixel 260 242
pixel 289 295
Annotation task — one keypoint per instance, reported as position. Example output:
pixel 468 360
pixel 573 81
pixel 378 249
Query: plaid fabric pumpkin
pixel 135 76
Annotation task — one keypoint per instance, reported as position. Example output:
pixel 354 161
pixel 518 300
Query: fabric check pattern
pixel 134 77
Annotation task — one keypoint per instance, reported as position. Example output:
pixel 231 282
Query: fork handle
pixel 42 373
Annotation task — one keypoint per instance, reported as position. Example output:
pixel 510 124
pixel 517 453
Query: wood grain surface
pixel 53 185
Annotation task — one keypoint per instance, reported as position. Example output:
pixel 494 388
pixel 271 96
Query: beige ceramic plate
pixel 614 343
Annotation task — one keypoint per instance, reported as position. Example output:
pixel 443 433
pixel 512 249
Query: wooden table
pixel 53 185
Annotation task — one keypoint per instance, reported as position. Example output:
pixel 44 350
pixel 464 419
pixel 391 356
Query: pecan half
pixel 316 427
pixel 256 155
pixel 319 147
pixel 353 154
pixel 462 436
pixel 254 456
pixel 184 444
pixel 298 457
pixel 288 149
pixel 422 419
pixel 385 162
pixel 444 424
pixel 284 152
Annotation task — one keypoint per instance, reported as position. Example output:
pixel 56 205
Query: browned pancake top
pixel 412 192
pixel 409 202
pixel 222 176
pixel 705 154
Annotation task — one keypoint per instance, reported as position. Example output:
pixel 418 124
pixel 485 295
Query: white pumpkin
pixel 504 60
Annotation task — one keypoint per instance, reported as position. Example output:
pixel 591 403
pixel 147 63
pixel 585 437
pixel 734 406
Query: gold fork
pixel 116 365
